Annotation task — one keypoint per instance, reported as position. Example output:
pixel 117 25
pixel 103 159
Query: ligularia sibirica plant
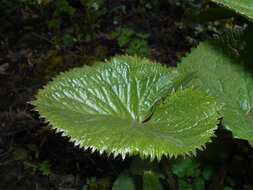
pixel 129 106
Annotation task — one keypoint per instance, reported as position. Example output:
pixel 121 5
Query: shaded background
pixel 39 39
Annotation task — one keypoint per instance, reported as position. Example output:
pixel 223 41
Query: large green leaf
pixel 243 7
pixel 228 77
pixel 129 106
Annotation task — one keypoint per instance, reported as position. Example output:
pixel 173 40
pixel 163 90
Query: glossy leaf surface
pixel 243 7
pixel 128 106
pixel 229 78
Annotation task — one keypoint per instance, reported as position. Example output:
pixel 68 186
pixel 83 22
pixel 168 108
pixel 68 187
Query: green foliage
pixel 243 7
pixel 90 184
pixel 151 181
pixel 64 15
pixel 142 173
pixel 133 42
pixel 129 106
pixel 186 167
pixel 94 183
pixel 62 8
pixel 124 182
pixel 183 185
pixel 228 77
pixel 190 174
pixel 227 188
pixel 24 156
pixel 139 166
pixel 92 4
pixel 68 39
pixel 32 1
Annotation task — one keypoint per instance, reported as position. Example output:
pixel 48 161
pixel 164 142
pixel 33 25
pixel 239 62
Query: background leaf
pixel 124 182
pixel 187 167
pixel 243 7
pixel 228 76
pixel 151 181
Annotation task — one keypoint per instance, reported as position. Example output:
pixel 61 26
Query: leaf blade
pixel 102 108
pixel 151 181
pixel 229 79
pixel 124 182
pixel 243 7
